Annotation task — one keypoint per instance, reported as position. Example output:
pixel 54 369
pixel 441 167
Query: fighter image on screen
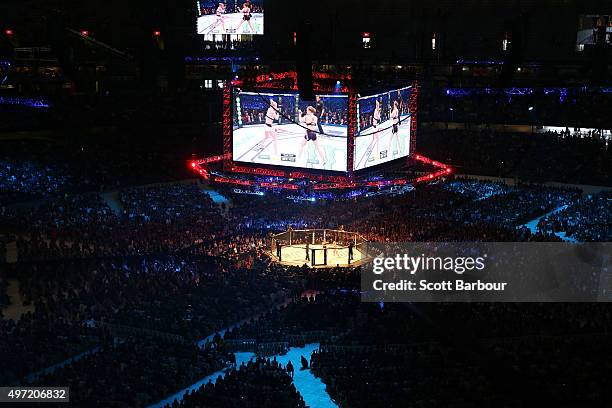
pixel 375 123
pixel 220 17
pixel 272 114
pixel 229 17
pixel 280 129
pixel 312 126
pixel 246 16
pixel 395 119
pixel 376 115
pixel 383 132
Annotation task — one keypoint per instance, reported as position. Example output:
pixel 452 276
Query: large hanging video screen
pixel 383 128
pixel 593 29
pixel 283 130
pixel 230 17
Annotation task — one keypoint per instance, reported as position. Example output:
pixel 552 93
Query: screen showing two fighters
pixel 383 128
pixel 230 17
pixel 281 129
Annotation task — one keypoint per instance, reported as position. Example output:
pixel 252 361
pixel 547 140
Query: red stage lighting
pixel 157 33
pixel 84 33
pixel 9 32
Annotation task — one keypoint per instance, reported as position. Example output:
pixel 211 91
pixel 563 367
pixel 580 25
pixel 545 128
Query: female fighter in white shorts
pixel 272 114
pixel 220 18
pixel 375 123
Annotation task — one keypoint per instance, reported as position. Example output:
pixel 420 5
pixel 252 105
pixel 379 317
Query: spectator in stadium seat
pixel 290 369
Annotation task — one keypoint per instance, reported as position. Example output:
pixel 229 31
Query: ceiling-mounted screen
pixel 383 128
pixel 231 17
pixel 281 129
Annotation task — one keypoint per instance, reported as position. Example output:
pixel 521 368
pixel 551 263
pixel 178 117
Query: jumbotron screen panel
pixel 282 130
pixel 230 17
pixel 593 29
pixel 383 128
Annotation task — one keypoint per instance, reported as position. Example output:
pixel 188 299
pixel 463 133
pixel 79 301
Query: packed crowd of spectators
pixel 129 291
pixel 298 321
pixel 438 214
pixel 124 372
pixel 157 219
pixel 478 189
pixel 257 384
pixel 121 110
pixel 119 283
pixel 517 206
pixel 435 374
pixel 578 107
pixel 4 297
pixel 587 219
pixel 440 354
pixel 539 157
pixel 22 180
pixel 131 294
pixel 41 339
pixel 36 169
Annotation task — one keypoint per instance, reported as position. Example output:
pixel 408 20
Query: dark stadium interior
pixel 150 257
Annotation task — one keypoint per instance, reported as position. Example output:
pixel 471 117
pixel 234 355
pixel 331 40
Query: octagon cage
pixel 319 248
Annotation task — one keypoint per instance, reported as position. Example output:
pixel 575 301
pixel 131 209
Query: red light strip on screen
pixel 426 160
pixel 211 159
pixel 227 124
pixel 279 76
pixel 413 107
pixel 319 177
pixel 335 186
pixel 351 132
pixel 327 182
pixel 322 81
pixel 284 186
pixel 239 182
pixel 433 176
pixel 385 183
pixel 258 171
pixel 445 170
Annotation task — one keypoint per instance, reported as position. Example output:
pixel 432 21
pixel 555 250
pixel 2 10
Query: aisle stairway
pixel 310 387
